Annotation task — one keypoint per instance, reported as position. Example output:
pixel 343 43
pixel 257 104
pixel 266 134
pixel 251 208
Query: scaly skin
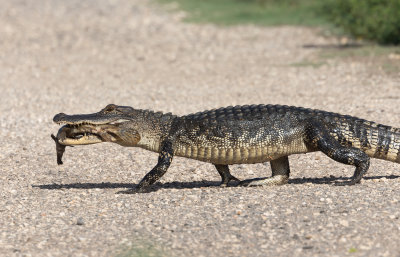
pixel 235 135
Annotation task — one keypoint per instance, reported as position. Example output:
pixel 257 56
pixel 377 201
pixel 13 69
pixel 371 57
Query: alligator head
pixel 108 125
pixel 123 125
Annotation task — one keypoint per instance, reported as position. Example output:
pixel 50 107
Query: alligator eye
pixel 109 108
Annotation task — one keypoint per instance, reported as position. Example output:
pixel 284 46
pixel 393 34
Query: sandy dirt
pixel 78 56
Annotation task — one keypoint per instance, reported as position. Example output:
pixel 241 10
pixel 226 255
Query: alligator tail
pixel 378 141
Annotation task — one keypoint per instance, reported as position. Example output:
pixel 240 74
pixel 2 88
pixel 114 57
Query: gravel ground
pixel 77 56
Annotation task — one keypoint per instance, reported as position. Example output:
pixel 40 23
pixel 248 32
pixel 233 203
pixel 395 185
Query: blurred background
pixel 372 20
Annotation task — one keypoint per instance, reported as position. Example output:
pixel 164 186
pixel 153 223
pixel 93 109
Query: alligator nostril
pixel 59 117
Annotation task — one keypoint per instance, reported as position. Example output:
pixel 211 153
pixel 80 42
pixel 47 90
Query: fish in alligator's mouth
pixel 82 134
pixel 79 134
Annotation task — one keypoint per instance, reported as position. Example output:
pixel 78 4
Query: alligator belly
pixel 240 155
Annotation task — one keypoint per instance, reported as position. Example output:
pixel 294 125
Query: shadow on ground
pixel 334 46
pixel 193 184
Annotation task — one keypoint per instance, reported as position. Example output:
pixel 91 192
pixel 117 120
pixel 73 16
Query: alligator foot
pixel 137 190
pixel 346 183
pixel 225 182
pixel 271 181
pixel 225 174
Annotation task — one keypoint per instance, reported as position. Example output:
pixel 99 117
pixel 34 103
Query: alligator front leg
pixel 164 160
pixel 280 174
pixel 226 176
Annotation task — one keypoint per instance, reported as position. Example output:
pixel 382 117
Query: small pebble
pixel 80 221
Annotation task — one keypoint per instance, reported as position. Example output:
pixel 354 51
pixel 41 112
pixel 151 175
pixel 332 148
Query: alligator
pixel 234 135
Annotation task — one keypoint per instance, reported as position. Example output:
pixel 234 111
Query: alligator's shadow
pixel 193 184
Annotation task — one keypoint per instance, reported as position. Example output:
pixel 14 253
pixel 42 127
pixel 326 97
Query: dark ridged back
pixel 246 112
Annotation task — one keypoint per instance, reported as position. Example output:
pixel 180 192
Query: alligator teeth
pixel 118 121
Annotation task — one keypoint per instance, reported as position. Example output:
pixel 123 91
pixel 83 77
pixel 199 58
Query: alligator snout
pixel 59 117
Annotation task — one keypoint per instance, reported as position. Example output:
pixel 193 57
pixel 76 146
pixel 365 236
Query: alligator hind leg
pixel 319 139
pixel 226 176
pixel 280 174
